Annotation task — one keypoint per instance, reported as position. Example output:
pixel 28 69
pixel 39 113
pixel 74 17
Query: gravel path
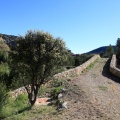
pixel 95 96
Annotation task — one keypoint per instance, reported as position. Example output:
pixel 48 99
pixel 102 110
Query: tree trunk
pixel 32 95
pixel 32 99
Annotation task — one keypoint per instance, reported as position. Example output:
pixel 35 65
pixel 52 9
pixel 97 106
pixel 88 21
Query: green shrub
pixel 7 109
pixel 58 69
pixel 70 60
pixel 4 47
pixel 118 51
pixel 57 83
pixel 3 56
pixel 4 73
pixel 14 106
pixel 103 88
pixel 3 95
pixel 57 86
pixel 4 69
pixel 55 91
pixel 42 90
pixel 21 101
pixel 80 59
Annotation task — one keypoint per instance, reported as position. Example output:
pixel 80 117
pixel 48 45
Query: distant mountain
pixel 99 50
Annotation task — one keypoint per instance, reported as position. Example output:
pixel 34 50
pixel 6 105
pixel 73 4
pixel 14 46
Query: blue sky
pixel 83 24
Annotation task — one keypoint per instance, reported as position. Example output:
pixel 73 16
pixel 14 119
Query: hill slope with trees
pixel 100 50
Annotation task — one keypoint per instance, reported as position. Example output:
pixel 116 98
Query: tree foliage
pixel 34 60
pixel 118 50
pixel 4 68
pixel 3 95
pixel 70 60
pixel 80 59
pixel 109 51
pixel 4 49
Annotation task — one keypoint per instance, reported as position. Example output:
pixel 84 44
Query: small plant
pixel 57 87
pixel 95 75
pixel 42 91
pixel 57 83
pixel 109 83
pixel 88 68
pixel 103 88
pixel 91 65
pixel 55 91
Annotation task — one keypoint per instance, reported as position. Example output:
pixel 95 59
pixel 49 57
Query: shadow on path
pixel 107 73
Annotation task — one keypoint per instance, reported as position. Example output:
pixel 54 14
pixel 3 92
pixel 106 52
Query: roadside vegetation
pixel 35 59
pixel 108 52
pixel 17 108
pixel 118 51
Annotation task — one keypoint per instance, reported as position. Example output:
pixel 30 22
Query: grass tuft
pixel 103 88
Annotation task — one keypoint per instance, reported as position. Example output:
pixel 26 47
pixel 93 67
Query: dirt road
pixel 95 95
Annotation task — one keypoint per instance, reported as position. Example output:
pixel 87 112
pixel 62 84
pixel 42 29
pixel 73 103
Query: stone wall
pixel 77 70
pixel 113 69
pixel 68 73
pixel 18 92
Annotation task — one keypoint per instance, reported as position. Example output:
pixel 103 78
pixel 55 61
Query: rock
pixel 64 105
pixel 60 95
pixel 63 90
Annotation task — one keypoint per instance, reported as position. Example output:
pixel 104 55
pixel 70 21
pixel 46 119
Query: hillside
pixel 8 38
pixel 99 50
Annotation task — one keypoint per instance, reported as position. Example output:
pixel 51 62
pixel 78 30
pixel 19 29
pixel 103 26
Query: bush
pixel 80 59
pixel 57 87
pixel 42 90
pixel 3 56
pixel 4 47
pixel 109 51
pixel 70 61
pixel 55 91
pixel 57 83
pixel 14 106
pixel 118 51
pixel 4 73
pixel 3 96
pixel 21 101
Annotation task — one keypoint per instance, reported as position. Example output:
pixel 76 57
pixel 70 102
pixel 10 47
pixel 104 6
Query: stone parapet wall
pixel 77 70
pixel 18 92
pixel 113 69
pixel 68 73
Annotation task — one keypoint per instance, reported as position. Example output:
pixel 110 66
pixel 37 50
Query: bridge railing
pixel 113 69
pixel 77 70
